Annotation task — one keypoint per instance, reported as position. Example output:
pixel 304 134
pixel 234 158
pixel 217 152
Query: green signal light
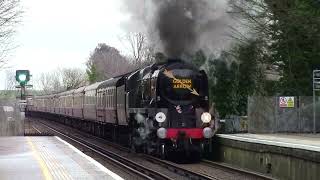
pixel 22 77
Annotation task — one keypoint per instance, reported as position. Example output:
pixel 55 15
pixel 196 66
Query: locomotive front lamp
pixel 160 117
pixel 206 117
pixel 207 132
pixel 162 133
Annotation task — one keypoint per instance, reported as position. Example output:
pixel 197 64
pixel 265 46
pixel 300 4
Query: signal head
pixel 23 76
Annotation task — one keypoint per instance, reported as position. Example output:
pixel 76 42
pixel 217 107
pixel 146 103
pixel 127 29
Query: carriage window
pixel 92 98
pixel 108 98
pixel 114 97
pixel 98 99
pixel 101 98
pixel 78 100
pixel 111 99
pixel 111 96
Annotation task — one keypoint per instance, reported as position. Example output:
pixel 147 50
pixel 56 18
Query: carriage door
pixel 121 105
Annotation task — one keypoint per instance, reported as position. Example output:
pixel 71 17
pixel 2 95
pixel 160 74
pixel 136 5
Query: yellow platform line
pixel 44 169
pixel 59 169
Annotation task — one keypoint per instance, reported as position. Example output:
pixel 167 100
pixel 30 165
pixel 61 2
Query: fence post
pixel 276 114
pixel 314 111
pixel 299 116
pixel 316 87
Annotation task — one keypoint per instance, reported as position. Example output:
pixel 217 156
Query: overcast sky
pixel 62 33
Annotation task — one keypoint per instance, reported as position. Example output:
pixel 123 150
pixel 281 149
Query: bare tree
pixel 10 14
pixel 62 80
pixel 255 15
pixel 106 62
pixel 10 80
pixel 73 78
pixel 137 42
pixel 50 82
pixel 141 50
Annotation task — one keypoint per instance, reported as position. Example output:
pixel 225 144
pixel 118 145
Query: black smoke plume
pixel 181 27
pixel 176 26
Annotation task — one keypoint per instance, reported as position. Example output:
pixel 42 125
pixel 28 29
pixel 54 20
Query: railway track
pixel 151 173
pixel 199 175
pixel 141 171
pixel 220 165
pixel 191 171
pixel 177 169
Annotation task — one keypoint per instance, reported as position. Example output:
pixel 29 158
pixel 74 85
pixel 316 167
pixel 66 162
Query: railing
pixel 266 115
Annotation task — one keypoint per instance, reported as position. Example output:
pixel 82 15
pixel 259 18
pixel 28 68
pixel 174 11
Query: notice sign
pixel 286 102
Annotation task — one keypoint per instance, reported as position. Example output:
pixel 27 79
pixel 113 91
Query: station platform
pixel 47 157
pixel 281 156
pixel 310 142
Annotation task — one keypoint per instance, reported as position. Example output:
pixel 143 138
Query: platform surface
pixel 47 158
pixel 309 142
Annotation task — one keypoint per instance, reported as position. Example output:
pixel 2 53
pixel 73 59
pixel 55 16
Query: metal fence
pixel 234 124
pixel 11 118
pixel 267 115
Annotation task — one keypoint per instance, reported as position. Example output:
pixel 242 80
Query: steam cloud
pixel 180 27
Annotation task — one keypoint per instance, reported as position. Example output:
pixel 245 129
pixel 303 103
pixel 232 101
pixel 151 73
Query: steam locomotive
pixel 157 109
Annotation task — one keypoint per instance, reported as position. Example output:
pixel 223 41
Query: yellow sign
pixel 290 102
pixel 182 83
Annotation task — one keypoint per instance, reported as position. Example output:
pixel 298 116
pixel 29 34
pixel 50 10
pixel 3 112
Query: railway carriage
pixel 68 108
pixel 56 104
pixel 106 105
pixel 50 104
pixel 62 103
pixel 61 100
pixel 78 101
pixel 40 104
pixel 90 102
pixel 30 106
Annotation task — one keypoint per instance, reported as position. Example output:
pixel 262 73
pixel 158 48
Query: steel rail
pixel 239 170
pixel 128 164
pixel 182 171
